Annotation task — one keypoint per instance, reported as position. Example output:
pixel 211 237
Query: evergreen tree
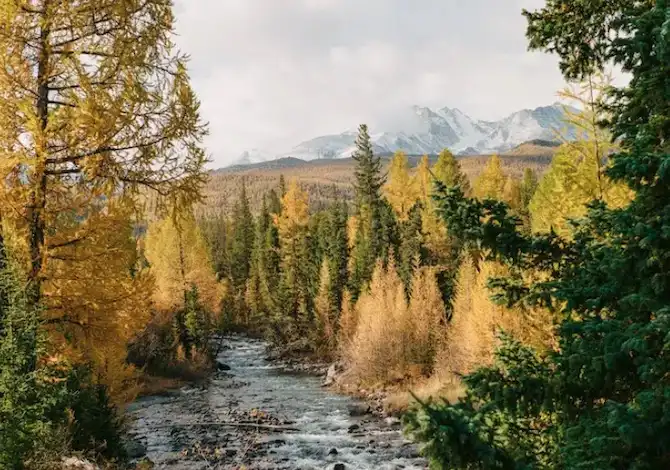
pixel 412 252
pixel 242 240
pixel 599 400
pixel 336 252
pixel 368 244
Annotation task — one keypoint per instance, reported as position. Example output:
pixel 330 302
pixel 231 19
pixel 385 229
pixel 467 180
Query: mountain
pixel 421 130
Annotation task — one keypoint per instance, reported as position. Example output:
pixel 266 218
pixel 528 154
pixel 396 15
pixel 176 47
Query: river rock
pixel 135 449
pixel 221 366
pixel 359 409
pixel 331 376
pixel 333 451
pixel 74 463
pixel 339 466
pixel 354 428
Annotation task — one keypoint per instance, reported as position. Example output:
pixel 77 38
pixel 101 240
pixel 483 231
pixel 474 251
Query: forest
pixel 517 319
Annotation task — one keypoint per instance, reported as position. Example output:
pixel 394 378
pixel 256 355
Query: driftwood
pixel 268 427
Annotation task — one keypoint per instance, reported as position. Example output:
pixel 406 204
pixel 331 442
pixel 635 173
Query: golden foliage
pixel 95 296
pixel 491 182
pixel 325 316
pixel 471 335
pixel 400 190
pixel 394 339
pixel 179 259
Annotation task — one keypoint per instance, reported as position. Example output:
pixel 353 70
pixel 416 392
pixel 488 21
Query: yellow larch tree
pixel 179 259
pixel 96 107
pixel 400 190
pixel 491 182
pixel 96 294
pixel 294 296
pixel 577 172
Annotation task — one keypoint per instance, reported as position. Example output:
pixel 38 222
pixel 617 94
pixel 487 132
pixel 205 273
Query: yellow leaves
pixel 295 212
pixel 491 183
pixel 179 259
pixel 400 189
pixel 94 304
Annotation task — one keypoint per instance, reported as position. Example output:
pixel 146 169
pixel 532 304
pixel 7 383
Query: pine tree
pixel 412 252
pixel 597 400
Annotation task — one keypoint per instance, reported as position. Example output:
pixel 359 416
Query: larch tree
pixel 447 170
pixel 399 189
pixel 294 315
pixel 577 172
pixel 97 297
pixel 96 103
pixel 97 113
pixel 179 260
pixel 491 183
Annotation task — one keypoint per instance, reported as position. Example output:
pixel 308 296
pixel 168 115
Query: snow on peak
pixel 421 130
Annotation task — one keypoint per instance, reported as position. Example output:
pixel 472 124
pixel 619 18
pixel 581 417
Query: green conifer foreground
pixel 601 400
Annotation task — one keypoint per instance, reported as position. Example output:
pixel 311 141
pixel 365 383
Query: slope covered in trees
pixel 598 398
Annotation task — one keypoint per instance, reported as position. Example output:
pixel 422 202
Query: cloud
pixel 272 73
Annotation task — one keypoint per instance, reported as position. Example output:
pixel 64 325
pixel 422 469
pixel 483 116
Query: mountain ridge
pixel 422 130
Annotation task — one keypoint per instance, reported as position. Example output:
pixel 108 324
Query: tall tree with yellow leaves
pixel 95 100
pixel 294 293
pixel 400 190
pixel 577 173
pixel 491 183
pixel 96 296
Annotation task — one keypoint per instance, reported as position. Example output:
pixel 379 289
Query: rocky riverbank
pixel 259 414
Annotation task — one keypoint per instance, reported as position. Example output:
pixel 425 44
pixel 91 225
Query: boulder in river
pixel 339 466
pixel 135 449
pixel 221 366
pixel 359 409
pixel 333 451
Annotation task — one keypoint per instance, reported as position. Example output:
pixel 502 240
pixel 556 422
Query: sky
pixel 273 73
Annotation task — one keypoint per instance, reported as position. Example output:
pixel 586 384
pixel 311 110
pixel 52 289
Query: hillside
pixel 327 179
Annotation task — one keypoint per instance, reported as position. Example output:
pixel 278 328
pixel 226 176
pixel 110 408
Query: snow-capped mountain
pixel 421 130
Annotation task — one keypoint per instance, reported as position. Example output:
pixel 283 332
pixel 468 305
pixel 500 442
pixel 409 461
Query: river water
pixel 260 416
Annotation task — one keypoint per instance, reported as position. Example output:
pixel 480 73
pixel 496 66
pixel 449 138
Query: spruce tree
pixel 368 240
pixel 411 253
pixel 599 400
pixel 242 239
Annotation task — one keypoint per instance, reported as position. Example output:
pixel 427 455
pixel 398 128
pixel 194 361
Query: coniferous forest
pixel 514 320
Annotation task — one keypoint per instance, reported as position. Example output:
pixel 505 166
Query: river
pixel 258 415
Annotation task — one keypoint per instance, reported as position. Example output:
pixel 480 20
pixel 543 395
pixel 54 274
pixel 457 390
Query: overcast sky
pixel 272 73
